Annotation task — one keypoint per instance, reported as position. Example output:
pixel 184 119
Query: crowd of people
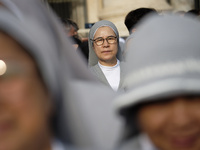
pixel 144 95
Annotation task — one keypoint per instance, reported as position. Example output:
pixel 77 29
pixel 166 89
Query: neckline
pixel 109 67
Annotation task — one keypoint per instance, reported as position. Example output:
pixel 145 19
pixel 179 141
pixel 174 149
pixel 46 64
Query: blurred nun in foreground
pixel 45 88
pixel 162 99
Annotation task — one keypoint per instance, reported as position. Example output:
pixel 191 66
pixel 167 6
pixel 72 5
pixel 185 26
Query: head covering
pixel 93 59
pixel 163 61
pixel 128 39
pixel 80 117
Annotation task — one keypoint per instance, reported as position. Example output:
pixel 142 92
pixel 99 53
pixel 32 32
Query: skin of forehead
pixel 101 28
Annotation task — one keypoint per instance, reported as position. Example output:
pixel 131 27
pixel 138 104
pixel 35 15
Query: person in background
pixel 71 27
pixel 81 45
pixel 76 42
pixel 193 12
pixel 131 21
pixel 134 17
pixel 104 53
pixel 160 106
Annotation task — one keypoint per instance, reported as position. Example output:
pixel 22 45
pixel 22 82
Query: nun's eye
pixel 110 40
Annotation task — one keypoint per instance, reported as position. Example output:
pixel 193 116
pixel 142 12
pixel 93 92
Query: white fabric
pixel 112 74
pixel 145 143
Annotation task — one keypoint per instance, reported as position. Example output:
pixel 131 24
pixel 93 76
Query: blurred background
pixel 87 12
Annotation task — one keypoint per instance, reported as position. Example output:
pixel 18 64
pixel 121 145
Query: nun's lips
pixel 107 51
pixel 184 141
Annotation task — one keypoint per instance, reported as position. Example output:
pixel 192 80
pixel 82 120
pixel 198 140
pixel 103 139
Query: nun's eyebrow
pixel 106 36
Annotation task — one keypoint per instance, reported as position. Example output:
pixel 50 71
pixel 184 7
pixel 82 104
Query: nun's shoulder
pixel 95 68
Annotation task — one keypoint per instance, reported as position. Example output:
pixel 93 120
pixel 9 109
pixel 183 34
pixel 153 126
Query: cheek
pixel 194 108
pixel 97 50
pixel 151 119
pixel 26 100
pixel 115 48
pixel 24 92
pixel 24 105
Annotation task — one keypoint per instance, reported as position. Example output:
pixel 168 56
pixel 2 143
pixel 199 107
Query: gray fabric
pixel 132 144
pixel 162 60
pixel 78 96
pixel 131 36
pixel 25 34
pixel 93 59
pixel 96 70
pixel 121 76
pixel 100 75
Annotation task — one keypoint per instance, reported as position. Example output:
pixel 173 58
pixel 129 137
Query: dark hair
pixel 76 40
pixel 195 12
pixel 68 23
pixel 134 16
pixel 131 126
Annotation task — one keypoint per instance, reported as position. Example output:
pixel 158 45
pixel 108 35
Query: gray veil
pixel 93 59
pixel 85 115
pixel 167 65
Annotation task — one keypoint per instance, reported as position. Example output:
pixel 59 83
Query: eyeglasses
pixel 110 39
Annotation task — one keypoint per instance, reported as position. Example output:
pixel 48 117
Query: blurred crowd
pixel 59 91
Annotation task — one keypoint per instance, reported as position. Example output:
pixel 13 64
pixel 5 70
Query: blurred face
pixel 24 102
pixel 106 52
pixel 173 124
pixel 71 31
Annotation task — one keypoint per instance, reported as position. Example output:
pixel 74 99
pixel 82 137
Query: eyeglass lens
pixel 109 39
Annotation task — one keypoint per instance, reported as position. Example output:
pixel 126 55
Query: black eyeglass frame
pixel 104 40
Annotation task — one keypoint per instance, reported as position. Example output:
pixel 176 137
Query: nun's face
pixel 24 104
pixel 107 51
pixel 172 124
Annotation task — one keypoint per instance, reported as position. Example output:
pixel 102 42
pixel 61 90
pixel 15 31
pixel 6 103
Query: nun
pixel 45 87
pixel 160 106
pixel 105 54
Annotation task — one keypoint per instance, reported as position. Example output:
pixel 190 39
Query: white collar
pixel 109 67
